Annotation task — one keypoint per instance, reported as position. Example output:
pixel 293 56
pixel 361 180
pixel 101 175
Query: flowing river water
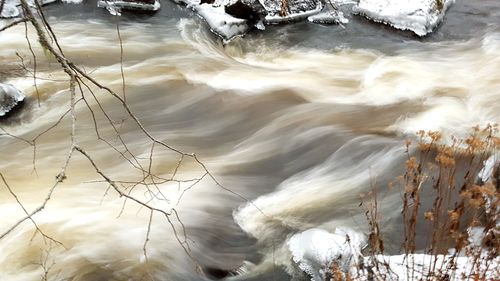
pixel 299 119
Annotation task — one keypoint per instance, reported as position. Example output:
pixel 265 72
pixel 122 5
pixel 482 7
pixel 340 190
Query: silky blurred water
pixel 299 119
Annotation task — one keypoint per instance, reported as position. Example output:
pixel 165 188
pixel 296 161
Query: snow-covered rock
pixel 42 2
pixel 12 8
pixel 296 10
pixel 221 23
pixel 10 97
pixel 9 11
pixel 231 18
pixel 115 7
pixel 418 16
pixel 329 17
pixel 315 250
pixel 72 1
pixel 251 10
pixel 227 18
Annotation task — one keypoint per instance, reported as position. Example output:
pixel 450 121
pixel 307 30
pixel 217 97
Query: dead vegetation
pixel 449 210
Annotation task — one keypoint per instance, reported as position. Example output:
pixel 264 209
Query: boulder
pixel 419 16
pixel 251 10
pixel 10 97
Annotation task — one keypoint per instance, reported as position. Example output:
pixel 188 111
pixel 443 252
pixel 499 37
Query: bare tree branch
pixel 121 61
pixel 34 62
pixel 82 81
pixel 12 24
pixel 147 234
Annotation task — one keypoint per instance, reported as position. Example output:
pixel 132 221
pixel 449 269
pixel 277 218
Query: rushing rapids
pixel 299 119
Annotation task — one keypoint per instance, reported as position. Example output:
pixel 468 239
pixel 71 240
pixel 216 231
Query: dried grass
pixel 441 190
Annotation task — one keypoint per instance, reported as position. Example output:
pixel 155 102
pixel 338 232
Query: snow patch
pixel 419 16
pixel 314 250
pixel 415 266
pixel 486 173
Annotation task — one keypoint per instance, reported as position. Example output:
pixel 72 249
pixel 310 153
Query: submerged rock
pixel 419 16
pixel 10 97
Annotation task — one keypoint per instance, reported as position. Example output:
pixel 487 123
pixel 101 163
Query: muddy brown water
pixel 299 119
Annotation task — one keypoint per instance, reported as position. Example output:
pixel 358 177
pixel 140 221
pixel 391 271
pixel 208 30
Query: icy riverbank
pixel 317 253
pixel 418 16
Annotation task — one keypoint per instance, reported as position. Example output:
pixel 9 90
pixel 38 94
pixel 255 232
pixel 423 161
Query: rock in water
pixel 295 10
pixel 10 97
pixel 9 11
pixel 330 17
pixel 232 18
pixel 221 23
pixel 72 1
pixel 419 16
pixel 12 8
pixel 114 7
pixel 251 10
pixel 315 250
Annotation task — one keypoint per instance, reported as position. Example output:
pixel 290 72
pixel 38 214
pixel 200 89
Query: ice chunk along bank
pixel 418 16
